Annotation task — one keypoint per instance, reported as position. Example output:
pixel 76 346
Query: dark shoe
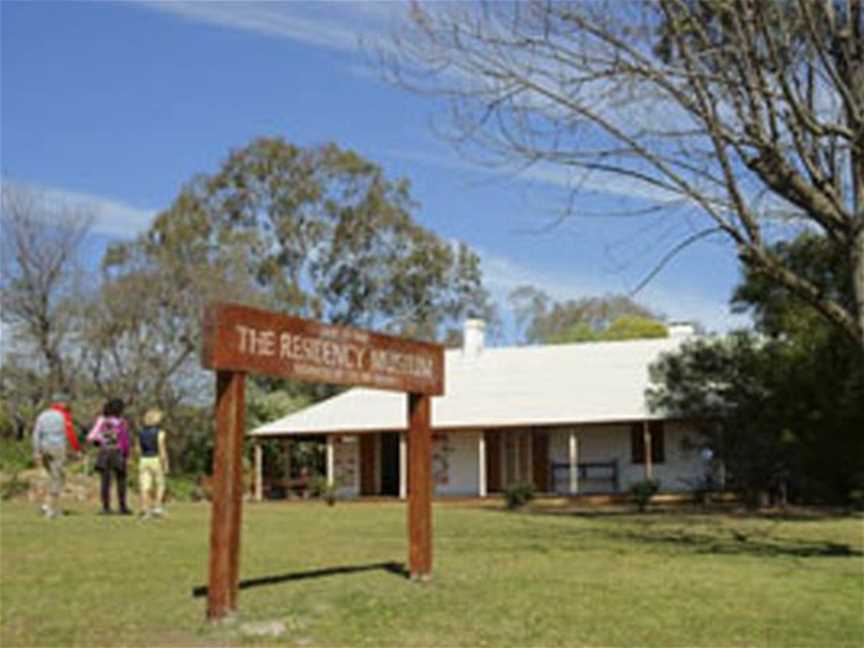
pixel 125 511
pixel 106 512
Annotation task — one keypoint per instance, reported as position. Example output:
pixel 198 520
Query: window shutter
pixel 540 456
pixel 637 444
pixel 658 444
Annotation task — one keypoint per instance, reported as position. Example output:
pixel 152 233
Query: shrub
pixel 856 499
pixel 13 487
pixel 643 491
pixel 320 487
pixel 317 486
pixel 15 455
pixel 84 465
pixel 518 495
pixel 183 488
pixel 329 494
pixel 701 489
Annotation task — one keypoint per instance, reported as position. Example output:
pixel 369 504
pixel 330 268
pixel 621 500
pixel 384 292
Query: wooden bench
pixel 298 486
pixel 589 471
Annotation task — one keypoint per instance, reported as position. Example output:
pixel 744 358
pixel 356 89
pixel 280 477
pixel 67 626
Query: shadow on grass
pixel 563 512
pixel 654 528
pixel 798 514
pixel 743 544
pixel 391 567
pixel 653 516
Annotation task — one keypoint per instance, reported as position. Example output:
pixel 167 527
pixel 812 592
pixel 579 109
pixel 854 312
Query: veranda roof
pixel 503 387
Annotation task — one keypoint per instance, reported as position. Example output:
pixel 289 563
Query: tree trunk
pixel 857 263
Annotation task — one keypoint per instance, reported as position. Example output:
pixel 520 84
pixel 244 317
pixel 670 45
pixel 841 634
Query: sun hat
pixel 152 417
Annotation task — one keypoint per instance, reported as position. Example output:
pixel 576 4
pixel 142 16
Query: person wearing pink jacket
pixel 111 433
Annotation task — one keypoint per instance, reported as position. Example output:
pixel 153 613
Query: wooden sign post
pixel 240 340
pixel 419 487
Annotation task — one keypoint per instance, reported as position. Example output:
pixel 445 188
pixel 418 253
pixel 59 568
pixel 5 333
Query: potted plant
pixel 320 487
pixel 643 491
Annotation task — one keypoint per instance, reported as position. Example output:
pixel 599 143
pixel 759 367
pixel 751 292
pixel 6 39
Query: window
pixel 637 442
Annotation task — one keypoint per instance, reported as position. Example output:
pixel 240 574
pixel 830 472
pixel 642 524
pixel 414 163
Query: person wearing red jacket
pixel 53 434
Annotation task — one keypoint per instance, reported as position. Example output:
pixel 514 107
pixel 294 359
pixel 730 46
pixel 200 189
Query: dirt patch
pixel 34 483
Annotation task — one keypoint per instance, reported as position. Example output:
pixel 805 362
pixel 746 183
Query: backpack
pixel 110 432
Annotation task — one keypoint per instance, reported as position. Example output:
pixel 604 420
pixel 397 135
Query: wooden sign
pixel 240 338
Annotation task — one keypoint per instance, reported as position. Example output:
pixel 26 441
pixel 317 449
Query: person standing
pixel 53 434
pixel 153 465
pixel 111 433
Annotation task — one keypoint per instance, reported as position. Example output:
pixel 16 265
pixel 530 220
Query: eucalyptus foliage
pixel 325 234
pixel 782 409
pixel 318 232
pixel 611 317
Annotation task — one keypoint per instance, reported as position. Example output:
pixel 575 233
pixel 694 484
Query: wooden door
pixel 540 460
pixel 493 462
pixel 367 464
pixel 390 463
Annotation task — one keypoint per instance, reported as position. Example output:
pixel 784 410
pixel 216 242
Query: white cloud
pixel 358 27
pixel 561 177
pixel 341 26
pixel 111 217
pixel 363 26
pixel 501 275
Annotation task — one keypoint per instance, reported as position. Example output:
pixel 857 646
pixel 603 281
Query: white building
pixel 571 419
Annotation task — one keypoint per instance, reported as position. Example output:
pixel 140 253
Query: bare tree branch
pixel 41 248
pixel 713 103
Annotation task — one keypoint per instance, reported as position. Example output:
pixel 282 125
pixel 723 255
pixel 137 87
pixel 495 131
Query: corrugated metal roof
pixel 504 387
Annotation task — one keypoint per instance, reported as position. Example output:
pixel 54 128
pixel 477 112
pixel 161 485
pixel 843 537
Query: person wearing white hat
pixel 153 465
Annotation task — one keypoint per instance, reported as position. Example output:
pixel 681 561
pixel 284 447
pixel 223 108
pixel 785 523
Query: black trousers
pixel 109 464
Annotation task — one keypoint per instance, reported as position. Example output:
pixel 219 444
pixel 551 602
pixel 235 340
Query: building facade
pixel 569 419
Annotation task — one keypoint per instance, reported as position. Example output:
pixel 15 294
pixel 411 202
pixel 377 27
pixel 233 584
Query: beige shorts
pixel 54 462
pixel 150 474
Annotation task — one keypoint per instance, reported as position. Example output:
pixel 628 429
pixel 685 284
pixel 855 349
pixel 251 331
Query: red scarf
pixel 70 429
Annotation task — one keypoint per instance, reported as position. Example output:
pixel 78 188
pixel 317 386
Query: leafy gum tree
pixel 783 407
pixel 743 118
pixel 324 234
pixel 316 232
pixel 612 317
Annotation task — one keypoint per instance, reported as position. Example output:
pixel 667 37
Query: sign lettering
pixel 240 338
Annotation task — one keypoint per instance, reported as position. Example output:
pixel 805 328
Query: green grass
pixel 541 579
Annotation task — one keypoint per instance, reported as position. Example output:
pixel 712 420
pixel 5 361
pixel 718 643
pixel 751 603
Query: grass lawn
pixel 535 579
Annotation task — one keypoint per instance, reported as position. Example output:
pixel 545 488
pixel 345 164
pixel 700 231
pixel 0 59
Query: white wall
pixel 608 442
pixel 455 463
pixel 455 459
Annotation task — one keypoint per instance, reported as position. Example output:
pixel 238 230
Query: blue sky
pixel 116 105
